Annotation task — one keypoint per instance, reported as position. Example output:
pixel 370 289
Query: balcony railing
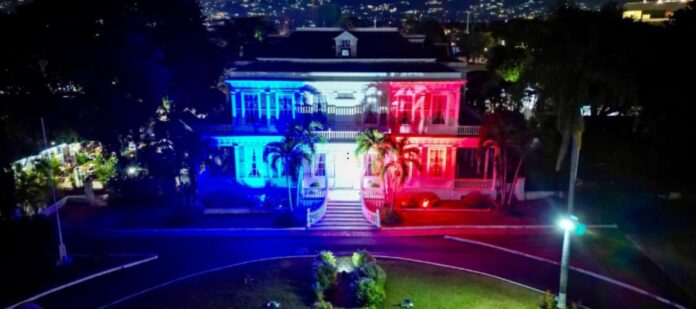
pixel 372 194
pixel 473 184
pixel 468 130
pixel 316 215
pixel 371 216
pixel 339 135
pixel 314 193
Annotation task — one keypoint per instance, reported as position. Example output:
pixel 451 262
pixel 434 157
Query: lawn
pixel 287 281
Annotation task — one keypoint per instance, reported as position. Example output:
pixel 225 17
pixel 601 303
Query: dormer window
pixel 346 45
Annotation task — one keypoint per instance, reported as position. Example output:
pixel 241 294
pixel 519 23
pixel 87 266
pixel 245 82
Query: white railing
pixel 373 194
pixel 468 130
pixel 339 135
pixel 473 184
pixel 316 215
pixel 315 193
pixel 370 216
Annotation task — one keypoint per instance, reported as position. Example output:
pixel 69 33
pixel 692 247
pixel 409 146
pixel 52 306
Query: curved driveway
pixel 180 256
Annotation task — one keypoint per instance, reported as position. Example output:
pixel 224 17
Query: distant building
pixel 651 11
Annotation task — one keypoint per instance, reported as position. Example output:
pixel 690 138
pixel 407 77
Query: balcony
pixel 468 130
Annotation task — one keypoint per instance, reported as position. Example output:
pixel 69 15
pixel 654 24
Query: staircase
pixel 343 215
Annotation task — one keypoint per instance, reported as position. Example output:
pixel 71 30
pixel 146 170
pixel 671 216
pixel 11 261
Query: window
pixel 345 52
pixel 406 104
pixel 345 95
pixel 345 44
pixel 254 167
pixel 320 167
pixel 251 106
pixel 436 162
pixel 285 104
pixel 439 106
pixel 370 114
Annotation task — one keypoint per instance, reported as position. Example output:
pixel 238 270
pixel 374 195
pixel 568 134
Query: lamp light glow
pixel 567 224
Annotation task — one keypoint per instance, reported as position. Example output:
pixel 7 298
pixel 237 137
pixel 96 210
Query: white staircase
pixel 343 215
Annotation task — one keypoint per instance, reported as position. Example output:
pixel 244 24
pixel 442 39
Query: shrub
pixel 361 257
pixel 286 219
pixel 548 301
pixel 373 271
pixel 322 304
pixel 477 200
pixel 324 270
pixel 390 216
pixel 370 292
pixel 327 256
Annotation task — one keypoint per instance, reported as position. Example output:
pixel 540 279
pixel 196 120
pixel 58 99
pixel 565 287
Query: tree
pixel 431 28
pixel 509 133
pixel 475 44
pixel 369 140
pixel 396 158
pixel 290 152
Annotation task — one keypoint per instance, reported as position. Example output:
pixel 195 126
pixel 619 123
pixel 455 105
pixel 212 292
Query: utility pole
pixel 63 258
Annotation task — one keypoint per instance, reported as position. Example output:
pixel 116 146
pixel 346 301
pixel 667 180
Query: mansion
pixel 352 80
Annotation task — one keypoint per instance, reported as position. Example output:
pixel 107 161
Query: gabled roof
pixel 382 43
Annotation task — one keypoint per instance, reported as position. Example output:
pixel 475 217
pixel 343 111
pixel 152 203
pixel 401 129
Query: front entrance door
pixel 348 170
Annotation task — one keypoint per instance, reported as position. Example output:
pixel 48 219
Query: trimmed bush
pixel 373 271
pixel 370 292
pixel 362 257
pixel 370 279
pixel 322 304
pixel 324 271
pixel 477 200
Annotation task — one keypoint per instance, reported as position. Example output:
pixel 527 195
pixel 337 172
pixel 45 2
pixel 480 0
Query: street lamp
pixel 568 224
pixel 63 258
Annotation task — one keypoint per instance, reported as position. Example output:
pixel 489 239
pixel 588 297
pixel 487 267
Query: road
pixel 180 256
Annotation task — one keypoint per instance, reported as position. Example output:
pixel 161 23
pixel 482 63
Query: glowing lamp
pixel 567 224
pixel 426 203
pixel 132 170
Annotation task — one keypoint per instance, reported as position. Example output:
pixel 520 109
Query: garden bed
pixel 288 281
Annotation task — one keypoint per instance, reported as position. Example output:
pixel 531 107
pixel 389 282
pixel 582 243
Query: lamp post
pixel 568 225
pixel 63 257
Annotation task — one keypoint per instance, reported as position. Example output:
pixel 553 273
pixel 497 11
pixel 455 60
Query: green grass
pixel 287 281
pixel 437 287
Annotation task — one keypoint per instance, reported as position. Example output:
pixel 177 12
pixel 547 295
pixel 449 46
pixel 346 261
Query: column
pixel 294 100
pixel 243 104
pixel 268 108
pixel 233 99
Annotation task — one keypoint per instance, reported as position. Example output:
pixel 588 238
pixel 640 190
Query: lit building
pixel 353 80
pixel 653 11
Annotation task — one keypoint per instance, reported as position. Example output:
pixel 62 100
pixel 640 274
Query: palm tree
pixel 366 141
pixel 395 156
pixel 371 139
pixel 509 133
pixel 290 152
pixel 305 134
